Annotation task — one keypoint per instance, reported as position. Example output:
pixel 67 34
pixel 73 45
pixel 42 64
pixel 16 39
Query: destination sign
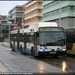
pixel 50 29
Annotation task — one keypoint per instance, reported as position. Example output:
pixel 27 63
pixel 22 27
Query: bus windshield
pixel 52 38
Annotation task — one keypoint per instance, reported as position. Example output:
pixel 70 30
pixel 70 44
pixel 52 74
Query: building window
pixel 39 10
pixel 71 7
pixel 4 27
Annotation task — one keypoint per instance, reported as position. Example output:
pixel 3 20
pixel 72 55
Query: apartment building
pixel 62 12
pixel 16 14
pixel 2 17
pixel 32 12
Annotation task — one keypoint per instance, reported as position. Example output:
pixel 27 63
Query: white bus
pixel 39 39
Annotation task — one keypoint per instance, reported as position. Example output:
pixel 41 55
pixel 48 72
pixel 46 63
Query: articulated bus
pixel 40 39
pixel 70 40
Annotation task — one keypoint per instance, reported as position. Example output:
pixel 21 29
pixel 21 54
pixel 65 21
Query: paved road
pixel 15 62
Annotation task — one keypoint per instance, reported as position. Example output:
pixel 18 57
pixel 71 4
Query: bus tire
pixel 21 48
pixel 11 45
pixel 32 51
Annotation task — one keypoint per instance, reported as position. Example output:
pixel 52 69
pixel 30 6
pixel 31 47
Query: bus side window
pixel 29 38
pixel 25 39
pixel 32 38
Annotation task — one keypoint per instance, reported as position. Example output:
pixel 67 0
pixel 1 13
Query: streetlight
pixel 9 30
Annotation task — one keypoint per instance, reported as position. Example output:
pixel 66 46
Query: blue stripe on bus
pixel 16 47
pixel 50 51
pixel 28 50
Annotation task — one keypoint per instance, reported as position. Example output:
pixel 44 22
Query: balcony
pixel 33 8
pixel 33 15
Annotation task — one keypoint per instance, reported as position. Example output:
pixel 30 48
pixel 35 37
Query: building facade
pixel 16 14
pixel 6 27
pixel 32 12
pixel 62 12
pixel 2 17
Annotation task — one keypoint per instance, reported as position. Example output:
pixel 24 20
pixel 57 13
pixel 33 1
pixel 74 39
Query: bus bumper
pixel 51 53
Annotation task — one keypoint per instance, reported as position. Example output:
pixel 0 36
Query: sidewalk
pixel 5 44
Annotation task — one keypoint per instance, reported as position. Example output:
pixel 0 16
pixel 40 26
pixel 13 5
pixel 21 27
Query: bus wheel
pixel 32 51
pixel 11 45
pixel 21 48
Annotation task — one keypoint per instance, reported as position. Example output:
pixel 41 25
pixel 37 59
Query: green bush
pixel 1 39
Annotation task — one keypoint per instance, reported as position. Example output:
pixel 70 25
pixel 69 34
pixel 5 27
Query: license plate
pixel 52 52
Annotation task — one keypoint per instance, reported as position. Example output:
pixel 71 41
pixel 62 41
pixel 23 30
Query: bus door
pixel 21 43
pixel 15 41
pixel 25 40
pixel 36 36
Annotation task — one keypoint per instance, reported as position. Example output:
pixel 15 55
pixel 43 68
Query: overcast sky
pixel 6 6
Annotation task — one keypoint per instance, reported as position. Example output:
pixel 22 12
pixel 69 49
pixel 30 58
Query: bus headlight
pixel 41 48
pixel 64 48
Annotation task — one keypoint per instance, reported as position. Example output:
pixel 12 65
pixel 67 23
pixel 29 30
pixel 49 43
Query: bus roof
pixel 44 24
pixel 34 27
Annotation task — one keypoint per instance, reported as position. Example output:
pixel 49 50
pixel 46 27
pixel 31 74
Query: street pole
pixel 9 30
